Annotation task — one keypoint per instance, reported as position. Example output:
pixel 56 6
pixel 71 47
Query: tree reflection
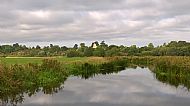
pixel 174 77
pixel 13 98
pixel 87 70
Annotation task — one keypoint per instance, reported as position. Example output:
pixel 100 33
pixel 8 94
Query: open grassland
pixel 176 63
pixel 64 60
pixel 18 60
pixel 167 60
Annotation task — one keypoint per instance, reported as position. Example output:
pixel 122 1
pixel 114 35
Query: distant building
pixel 94 45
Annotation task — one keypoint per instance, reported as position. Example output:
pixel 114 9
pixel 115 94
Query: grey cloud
pixel 116 21
pixel 65 4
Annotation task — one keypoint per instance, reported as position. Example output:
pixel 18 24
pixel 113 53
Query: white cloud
pixel 84 20
pixel 40 14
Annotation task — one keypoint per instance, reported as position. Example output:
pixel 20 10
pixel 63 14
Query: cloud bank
pixel 115 21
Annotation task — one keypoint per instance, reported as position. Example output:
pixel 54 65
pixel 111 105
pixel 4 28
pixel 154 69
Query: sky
pixel 66 22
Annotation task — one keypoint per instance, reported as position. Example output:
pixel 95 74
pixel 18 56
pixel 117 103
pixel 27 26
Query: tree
pixel 103 45
pixel 82 45
pixel 172 44
pixel 16 47
pixel 112 46
pixel 51 45
pixel 150 46
pixel 173 48
pixel 7 49
pixel 88 51
pixel 75 46
pixel 38 47
pixel 99 51
pixel 97 44
pixel 114 51
pixel 54 49
pixel 42 53
pixel 64 48
pixel 73 53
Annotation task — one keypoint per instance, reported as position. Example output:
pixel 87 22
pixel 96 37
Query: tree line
pixel 173 48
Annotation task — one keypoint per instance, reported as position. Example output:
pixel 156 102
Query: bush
pixel 73 53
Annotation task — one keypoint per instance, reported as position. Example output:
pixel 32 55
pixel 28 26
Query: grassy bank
pixel 29 78
pixel 64 60
pixel 164 62
pixel 38 60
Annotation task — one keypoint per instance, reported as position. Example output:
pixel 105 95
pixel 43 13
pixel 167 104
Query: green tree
pixel 103 45
pixel 150 46
pixel 75 46
pixel 64 48
pixel 133 50
pixel 82 47
pixel 88 51
pixel 114 51
pixel 73 53
pixel 99 51
pixel 38 47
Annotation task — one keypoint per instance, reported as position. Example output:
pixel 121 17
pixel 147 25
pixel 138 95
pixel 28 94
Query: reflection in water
pixel 173 77
pixel 134 84
pixel 130 87
pixel 14 97
pixel 90 70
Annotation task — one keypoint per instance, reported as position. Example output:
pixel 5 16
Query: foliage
pixel 17 79
pixel 73 53
pixel 173 48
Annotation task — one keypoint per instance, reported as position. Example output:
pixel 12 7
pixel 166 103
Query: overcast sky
pixel 67 22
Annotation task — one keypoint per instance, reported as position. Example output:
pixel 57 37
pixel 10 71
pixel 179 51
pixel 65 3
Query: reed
pixel 18 79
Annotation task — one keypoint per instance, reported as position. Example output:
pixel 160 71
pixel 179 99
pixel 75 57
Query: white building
pixel 94 45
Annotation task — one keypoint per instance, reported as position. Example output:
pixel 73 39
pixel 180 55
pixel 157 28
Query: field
pixel 38 60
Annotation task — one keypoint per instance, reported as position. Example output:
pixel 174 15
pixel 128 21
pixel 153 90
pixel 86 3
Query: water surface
pixel 130 87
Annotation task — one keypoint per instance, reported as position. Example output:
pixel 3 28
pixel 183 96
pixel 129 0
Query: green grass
pixel 62 59
pixel 18 79
pixel 38 60
pixel 23 60
pixel 66 59
pixel 20 60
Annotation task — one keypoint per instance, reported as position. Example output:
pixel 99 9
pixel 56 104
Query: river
pixel 129 87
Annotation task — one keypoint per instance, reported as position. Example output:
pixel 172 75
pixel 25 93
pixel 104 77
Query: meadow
pixel 38 60
pixel 62 59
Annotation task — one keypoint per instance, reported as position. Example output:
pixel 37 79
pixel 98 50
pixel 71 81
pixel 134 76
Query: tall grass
pixel 87 70
pixel 173 70
pixel 17 79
